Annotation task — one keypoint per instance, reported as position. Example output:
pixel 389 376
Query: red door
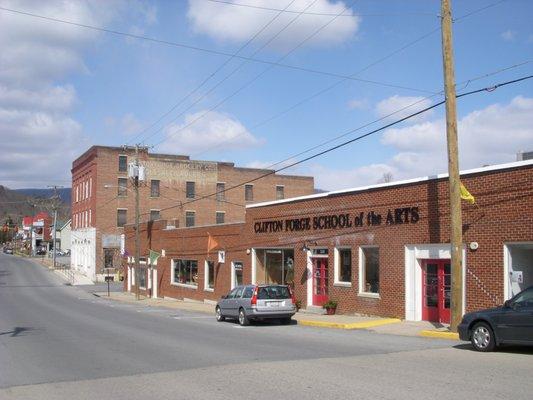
pixel 320 281
pixel 436 291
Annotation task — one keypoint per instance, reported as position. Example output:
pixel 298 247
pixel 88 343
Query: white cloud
pixel 39 138
pixel 223 22
pixel 214 130
pixel 358 104
pixel 126 125
pixel 327 178
pixel 492 135
pixel 508 35
pixel 402 106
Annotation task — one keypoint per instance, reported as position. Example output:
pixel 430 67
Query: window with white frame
pixel 369 270
pixel 185 272
pixel 209 274
pixel 155 215
pixel 219 217
pixel 343 266
pixel 189 218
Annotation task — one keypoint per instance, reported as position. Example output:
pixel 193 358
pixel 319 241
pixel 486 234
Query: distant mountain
pixel 17 203
pixel 64 193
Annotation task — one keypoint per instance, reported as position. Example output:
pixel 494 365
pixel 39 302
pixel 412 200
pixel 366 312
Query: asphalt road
pixel 61 342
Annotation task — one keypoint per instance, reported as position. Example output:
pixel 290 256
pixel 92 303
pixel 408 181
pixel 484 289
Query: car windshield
pixel 273 292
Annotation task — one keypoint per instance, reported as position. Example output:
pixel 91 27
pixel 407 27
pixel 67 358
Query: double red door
pixel 320 281
pixel 436 293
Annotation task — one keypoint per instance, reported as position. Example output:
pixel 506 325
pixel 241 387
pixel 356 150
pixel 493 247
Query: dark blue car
pixel 511 323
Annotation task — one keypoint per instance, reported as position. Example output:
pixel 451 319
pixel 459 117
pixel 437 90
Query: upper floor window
pixel 221 194
pixel 249 192
pixel 122 186
pixel 155 215
pixel 122 217
pixel 189 218
pixel 190 190
pixel 122 163
pixel 220 216
pixel 154 188
pixel 280 192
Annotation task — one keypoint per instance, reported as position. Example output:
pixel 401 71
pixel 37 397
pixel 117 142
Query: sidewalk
pixel 392 326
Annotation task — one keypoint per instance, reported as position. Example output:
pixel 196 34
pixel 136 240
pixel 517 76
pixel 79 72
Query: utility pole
pixel 55 205
pixel 456 234
pixel 135 174
pixel 31 229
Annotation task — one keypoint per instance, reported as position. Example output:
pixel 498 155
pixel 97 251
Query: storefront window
pixel 343 265
pixel 210 275
pixel 185 272
pixel 275 266
pixel 369 270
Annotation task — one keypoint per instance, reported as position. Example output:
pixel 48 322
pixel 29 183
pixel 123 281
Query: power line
pixel 241 88
pixel 322 14
pixel 466 83
pixel 330 149
pixel 198 48
pixel 221 66
pixel 335 84
pixel 239 66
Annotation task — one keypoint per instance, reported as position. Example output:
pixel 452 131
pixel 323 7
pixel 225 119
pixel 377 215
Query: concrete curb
pixel 440 335
pixel 353 325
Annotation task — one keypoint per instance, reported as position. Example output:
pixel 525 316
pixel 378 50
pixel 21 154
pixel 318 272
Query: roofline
pixel 497 167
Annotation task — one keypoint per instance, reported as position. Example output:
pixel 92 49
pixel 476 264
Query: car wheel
pixel 218 313
pixel 286 321
pixel 243 319
pixel 482 337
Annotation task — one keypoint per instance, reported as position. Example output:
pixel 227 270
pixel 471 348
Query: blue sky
pixel 65 88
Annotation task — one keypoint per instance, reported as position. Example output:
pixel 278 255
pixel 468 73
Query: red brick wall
pixel 101 163
pixel 504 213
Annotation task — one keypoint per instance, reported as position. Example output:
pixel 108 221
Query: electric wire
pixel 256 77
pixel 197 48
pixel 330 149
pixel 322 14
pixel 220 67
pixel 266 44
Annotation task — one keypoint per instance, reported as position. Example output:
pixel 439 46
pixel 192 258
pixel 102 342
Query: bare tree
pixel 386 178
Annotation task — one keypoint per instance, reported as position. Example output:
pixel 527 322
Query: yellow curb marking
pixel 440 335
pixel 353 325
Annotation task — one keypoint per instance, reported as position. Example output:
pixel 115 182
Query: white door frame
pixel 507 262
pixel 414 254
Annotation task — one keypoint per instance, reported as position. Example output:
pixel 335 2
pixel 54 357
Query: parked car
pixel 8 250
pixel 257 302
pixel 511 323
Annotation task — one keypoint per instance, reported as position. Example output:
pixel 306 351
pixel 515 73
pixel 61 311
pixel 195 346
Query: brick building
pixel 379 250
pixel 103 200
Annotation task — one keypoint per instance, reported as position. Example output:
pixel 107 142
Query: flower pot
pixel 330 311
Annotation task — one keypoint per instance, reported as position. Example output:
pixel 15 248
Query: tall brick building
pixel 380 250
pixel 103 200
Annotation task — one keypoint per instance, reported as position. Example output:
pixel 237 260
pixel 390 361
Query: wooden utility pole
pixel 456 234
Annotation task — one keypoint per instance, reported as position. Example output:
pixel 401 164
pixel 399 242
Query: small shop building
pixel 380 250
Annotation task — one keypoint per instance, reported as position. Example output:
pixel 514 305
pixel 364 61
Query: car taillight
pixel 254 296
pixel 292 295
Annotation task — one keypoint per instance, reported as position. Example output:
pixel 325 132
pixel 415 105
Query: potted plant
pixel 330 306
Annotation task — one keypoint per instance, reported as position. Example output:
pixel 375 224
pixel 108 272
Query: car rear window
pixel 273 292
